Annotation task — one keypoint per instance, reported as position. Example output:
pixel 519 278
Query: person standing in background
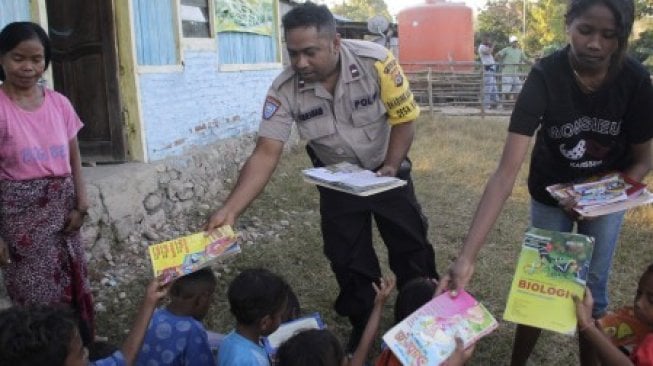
pixel 511 59
pixel 490 92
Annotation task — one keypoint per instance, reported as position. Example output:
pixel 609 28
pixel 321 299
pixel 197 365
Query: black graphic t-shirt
pixel 581 134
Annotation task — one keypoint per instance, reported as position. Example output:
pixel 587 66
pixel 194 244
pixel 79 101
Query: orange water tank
pixel 435 32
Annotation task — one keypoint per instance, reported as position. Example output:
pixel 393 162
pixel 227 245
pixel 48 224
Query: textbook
pixel 611 193
pixel 552 266
pixel 288 329
pixel 427 336
pixel 187 254
pixel 351 178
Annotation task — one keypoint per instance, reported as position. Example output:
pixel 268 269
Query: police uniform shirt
pixel 353 125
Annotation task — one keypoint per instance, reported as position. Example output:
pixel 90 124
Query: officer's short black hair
pixel 309 14
pixel 255 293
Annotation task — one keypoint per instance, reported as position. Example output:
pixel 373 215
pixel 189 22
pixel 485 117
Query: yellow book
pixel 552 266
pixel 184 255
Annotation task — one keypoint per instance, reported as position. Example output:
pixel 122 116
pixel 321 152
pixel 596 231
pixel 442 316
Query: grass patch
pixel 453 157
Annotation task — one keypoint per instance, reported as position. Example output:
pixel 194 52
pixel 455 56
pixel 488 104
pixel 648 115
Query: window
pixel 247 31
pixel 195 21
pixel 155 32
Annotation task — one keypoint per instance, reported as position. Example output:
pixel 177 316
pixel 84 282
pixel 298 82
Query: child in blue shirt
pixel 257 299
pixel 176 335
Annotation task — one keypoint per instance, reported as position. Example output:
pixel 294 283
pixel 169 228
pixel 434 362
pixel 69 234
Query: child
pixel 176 335
pixel 258 299
pixel 320 347
pixel 412 296
pixel 50 335
pixel 42 196
pixel 606 351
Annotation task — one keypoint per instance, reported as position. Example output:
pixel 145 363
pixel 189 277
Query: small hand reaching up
pixel 383 289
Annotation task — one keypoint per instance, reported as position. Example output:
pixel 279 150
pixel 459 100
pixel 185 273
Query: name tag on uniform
pixel 310 114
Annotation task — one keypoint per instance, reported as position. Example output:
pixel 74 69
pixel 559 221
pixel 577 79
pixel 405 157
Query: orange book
pixel 623 328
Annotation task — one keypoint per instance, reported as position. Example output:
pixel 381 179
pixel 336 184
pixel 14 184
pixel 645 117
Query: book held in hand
pixel 187 254
pixel 351 178
pixel 289 329
pixel 427 336
pixel 552 267
pixel 611 193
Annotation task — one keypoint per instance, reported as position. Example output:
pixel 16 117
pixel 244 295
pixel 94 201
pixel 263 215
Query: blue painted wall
pixel 200 105
pixel 13 11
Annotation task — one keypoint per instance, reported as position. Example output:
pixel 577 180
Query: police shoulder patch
pixel 270 107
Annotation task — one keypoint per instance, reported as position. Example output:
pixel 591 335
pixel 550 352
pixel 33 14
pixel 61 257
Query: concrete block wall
pixel 200 105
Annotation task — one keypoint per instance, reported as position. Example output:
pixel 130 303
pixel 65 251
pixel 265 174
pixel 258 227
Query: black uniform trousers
pixel 347 233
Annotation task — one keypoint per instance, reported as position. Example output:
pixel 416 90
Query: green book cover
pixel 552 266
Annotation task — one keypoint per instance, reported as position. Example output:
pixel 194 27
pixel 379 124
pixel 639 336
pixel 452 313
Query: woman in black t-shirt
pixel 593 106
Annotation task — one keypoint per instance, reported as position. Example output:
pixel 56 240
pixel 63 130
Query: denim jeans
pixel 490 97
pixel 604 229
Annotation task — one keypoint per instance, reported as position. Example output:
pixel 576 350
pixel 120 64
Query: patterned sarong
pixel 47 266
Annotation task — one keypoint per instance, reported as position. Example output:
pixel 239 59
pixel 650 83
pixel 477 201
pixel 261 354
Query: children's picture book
pixel 427 336
pixel 552 266
pixel 351 178
pixel 600 196
pixel 624 329
pixel 187 254
pixel 288 329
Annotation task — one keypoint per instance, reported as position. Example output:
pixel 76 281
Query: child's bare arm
pixel 383 291
pixel 607 352
pixel 132 345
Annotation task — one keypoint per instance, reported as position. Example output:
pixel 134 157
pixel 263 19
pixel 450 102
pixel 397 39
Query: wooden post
pixel 482 94
pixel 430 91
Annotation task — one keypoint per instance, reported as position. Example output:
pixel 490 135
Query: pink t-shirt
pixel 35 144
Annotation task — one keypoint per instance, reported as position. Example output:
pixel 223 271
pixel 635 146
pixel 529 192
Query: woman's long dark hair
pixel 14 33
pixel 624 16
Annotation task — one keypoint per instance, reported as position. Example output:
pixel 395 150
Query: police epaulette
pixel 367 49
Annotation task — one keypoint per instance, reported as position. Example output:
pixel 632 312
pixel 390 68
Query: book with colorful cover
pixel 624 329
pixel 175 258
pixel 427 336
pixel 351 178
pixel 288 329
pixel 552 266
pixel 600 196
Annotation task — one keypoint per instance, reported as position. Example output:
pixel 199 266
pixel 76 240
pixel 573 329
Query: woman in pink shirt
pixel 42 196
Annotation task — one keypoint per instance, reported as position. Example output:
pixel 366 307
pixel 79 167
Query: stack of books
pixel 610 193
pixel 351 178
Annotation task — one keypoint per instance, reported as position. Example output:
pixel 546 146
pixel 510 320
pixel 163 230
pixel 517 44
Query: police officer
pixel 351 102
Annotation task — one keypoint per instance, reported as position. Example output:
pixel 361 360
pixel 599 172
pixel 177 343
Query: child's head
pixel 317 347
pixel 644 297
pixel 258 298
pixel 412 296
pixel 30 41
pixel 192 293
pixel 293 309
pixel 40 336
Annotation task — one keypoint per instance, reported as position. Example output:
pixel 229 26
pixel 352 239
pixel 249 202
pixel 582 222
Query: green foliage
pixel 643 8
pixel 642 47
pixel 361 10
pixel 544 23
pixel 500 20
